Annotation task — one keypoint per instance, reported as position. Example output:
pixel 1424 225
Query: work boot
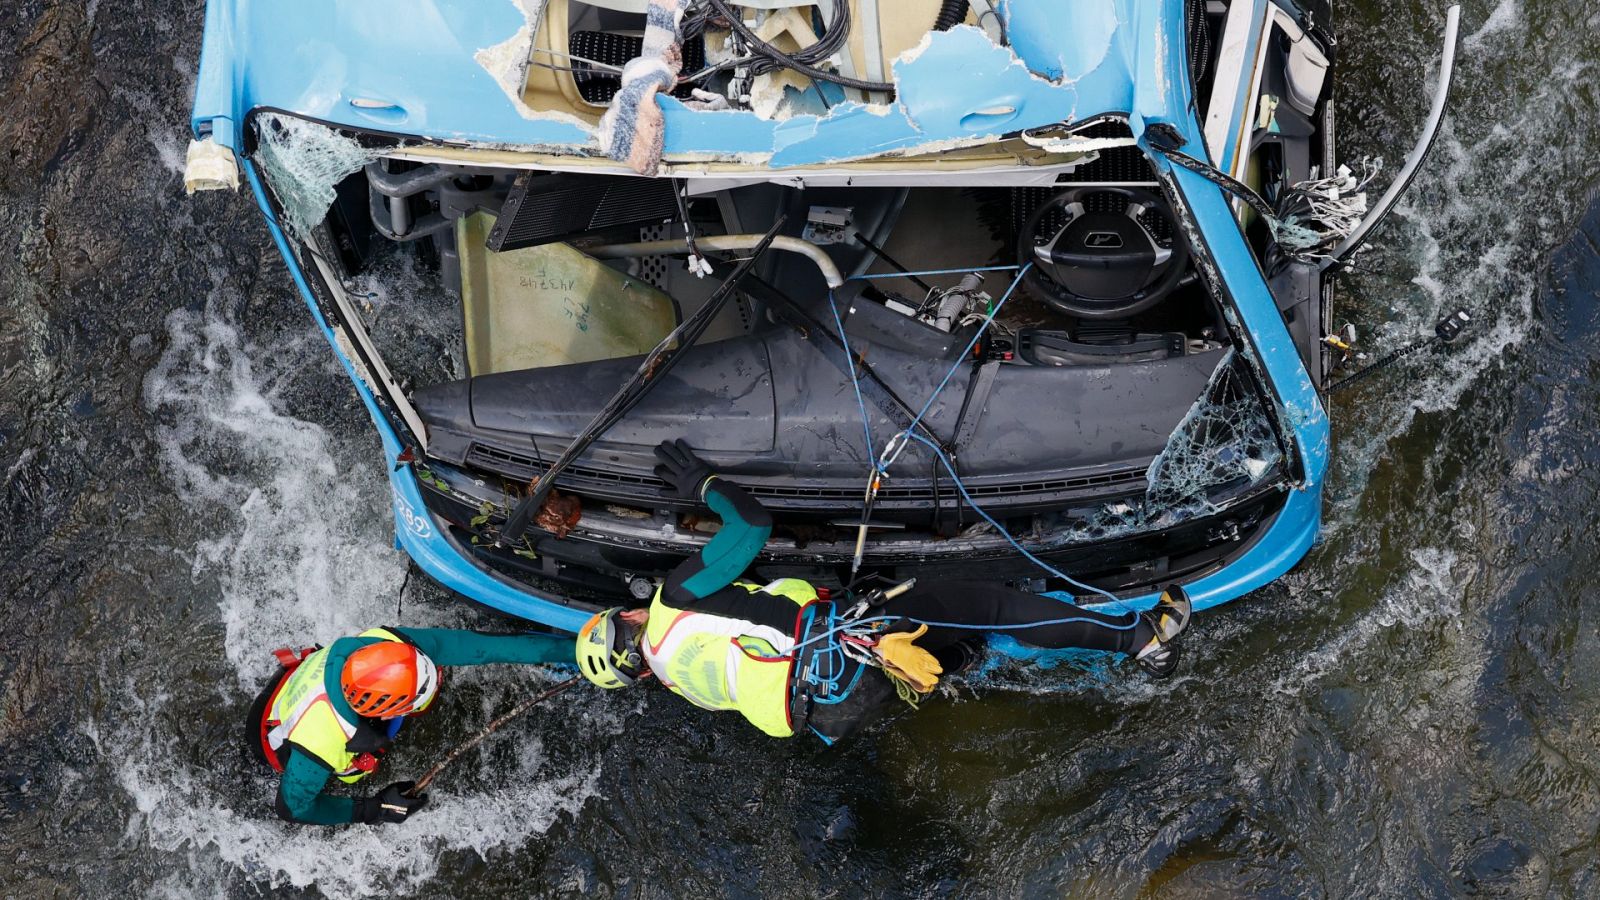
pixel 1167 619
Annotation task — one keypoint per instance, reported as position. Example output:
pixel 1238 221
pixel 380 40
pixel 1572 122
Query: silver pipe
pixel 1452 23
pixel 677 247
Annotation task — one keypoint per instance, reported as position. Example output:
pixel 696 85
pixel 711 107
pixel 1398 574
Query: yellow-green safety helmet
pixel 608 650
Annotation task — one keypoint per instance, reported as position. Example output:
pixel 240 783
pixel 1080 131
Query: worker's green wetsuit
pixel 300 793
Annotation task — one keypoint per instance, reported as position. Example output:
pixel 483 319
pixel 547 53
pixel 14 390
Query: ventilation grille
pixel 579 478
pixel 1124 165
pixel 541 209
pixel 598 86
pixel 652 268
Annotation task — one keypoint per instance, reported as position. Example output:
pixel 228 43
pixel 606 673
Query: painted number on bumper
pixel 417 525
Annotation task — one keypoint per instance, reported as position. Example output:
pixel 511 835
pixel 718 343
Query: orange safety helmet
pixel 389 679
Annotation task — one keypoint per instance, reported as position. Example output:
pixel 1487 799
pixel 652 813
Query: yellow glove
pixel 911 663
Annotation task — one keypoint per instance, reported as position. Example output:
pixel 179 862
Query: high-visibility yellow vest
pixel 303 715
pixel 717 662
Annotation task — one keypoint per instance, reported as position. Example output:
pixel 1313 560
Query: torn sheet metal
pixel 457 77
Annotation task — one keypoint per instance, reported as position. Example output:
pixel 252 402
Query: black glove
pixel 392 805
pixel 681 468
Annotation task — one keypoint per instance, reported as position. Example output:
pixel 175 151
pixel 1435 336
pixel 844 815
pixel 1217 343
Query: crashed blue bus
pixel 1012 290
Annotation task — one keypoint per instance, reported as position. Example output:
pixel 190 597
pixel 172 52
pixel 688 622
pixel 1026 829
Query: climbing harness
pixel 261 708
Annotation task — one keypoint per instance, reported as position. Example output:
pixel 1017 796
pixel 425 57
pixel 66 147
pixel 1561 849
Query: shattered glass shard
pixel 304 162
pixel 1225 437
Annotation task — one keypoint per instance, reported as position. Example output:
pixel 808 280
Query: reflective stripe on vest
pixel 306 716
pixel 717 662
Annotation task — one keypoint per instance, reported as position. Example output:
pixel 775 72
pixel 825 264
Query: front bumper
pixel 438 548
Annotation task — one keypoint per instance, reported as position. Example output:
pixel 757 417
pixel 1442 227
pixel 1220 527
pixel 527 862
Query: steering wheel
pixel 1102 265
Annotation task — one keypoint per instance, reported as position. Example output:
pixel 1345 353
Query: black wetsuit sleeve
pixel 703 582
pixel 300 797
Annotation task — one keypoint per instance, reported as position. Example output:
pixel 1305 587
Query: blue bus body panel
pixel 311 57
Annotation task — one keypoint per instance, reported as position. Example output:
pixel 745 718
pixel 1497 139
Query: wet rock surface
pixel 186 481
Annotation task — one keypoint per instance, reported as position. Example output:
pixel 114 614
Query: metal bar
pixel 650 371
pixel 1430 131
pixel 891 261
pixel 677 247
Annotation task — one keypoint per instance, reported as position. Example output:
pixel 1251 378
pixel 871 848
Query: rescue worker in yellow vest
pixel 787 662
pixel 331 712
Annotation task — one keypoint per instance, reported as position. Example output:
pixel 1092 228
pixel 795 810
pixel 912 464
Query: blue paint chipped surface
pixel 414 67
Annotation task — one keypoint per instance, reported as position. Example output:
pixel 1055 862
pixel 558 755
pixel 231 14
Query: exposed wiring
pixel 804 60
pixel 1315 215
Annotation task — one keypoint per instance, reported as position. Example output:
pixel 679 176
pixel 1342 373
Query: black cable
pixel 951 12
pixel 795 61
pixel 1220 179
pixel 1445 332
pixel 1384 362
pixel 860 362
pixel 878 251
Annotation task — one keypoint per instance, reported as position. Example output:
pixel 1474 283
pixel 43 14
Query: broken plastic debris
pixel 209 166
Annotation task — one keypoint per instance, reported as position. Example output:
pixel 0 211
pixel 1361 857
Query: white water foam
pixel 303 552
pixel 1430 591
pixel 1444 240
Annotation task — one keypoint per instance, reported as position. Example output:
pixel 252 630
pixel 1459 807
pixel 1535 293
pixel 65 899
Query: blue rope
pixel 1001 529
pixel 850 361
pixel 965 355
pixel 1064 621
pixel 932 272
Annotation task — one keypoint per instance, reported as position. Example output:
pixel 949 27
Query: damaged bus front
pixel 968 281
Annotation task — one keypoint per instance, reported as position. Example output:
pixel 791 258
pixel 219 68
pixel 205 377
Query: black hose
pixel 951 14
pixel 763 49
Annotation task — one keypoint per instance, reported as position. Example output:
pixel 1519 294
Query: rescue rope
pixel 932 272
pixel 891 452
pixel 898 443
pixel 961 486
pixel 855 382
pixel 471 742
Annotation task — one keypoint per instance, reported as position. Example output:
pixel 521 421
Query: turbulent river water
pixel 186 480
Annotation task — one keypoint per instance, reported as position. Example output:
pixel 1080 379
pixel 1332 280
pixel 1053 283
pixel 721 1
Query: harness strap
pixel 289 660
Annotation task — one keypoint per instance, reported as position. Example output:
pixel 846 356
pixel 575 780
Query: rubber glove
pixel 912 663
pixel 392 805
pixel 681 468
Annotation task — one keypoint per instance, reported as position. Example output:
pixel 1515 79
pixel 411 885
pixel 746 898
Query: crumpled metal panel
pixel 423 67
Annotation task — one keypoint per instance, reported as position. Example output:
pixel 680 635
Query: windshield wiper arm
pixel 655 365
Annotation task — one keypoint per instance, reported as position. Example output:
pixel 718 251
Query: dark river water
pixel 186 481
